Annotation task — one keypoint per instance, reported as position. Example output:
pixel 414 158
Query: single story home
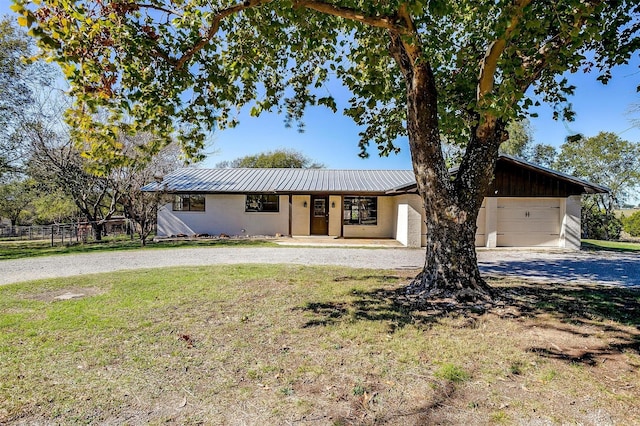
pixel 526 206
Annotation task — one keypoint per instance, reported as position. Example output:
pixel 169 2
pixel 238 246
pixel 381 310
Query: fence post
pixel 51 235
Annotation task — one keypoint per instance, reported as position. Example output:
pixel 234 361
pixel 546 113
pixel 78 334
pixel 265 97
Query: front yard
pixel 283 344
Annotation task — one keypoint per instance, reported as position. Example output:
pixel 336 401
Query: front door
pixel 319 215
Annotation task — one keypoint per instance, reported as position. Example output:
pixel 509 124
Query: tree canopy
pixel 279 158
pixel 15 95
pixel 606 159
pixel 432 70
pixel 188 66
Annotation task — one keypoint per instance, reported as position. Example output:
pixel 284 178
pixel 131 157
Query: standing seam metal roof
pixel 282 180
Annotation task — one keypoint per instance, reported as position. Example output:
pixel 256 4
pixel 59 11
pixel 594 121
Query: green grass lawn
pixel 610 245
pixel 308 345
pixel 21 249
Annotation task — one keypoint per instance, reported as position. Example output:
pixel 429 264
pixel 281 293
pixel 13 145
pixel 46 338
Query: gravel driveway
pixel 582 267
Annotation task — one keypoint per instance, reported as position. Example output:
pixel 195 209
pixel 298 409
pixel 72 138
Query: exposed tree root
pixel 463 290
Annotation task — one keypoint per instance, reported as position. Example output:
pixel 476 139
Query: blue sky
pixel 332 139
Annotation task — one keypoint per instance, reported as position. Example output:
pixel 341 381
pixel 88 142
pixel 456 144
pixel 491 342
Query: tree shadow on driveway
pixel 618 270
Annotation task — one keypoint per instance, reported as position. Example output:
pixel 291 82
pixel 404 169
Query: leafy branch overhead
pixel 188 67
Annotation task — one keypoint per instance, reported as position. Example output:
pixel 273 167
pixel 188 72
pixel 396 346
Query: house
pixel 526 206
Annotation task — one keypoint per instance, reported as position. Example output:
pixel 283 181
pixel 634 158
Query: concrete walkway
pixel 547 265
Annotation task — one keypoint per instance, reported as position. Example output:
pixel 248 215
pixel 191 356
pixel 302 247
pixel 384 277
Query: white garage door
pixel 528 222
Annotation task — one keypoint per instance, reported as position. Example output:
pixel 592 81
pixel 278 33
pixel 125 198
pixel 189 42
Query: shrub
pixel 600 225
pixel 631 224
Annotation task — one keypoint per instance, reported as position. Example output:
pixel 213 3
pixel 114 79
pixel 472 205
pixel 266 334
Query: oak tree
pixel 432 70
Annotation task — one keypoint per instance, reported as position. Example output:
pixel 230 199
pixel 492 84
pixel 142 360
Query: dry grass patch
pixel 282 344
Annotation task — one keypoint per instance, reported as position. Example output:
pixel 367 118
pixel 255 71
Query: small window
pixel 262 203
pixel 360 211
pixel 188 203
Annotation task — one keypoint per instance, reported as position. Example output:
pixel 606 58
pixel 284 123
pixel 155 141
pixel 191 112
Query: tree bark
pixel 451 205
pixel 97 230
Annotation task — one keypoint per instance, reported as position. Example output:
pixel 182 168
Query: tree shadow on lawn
pixel 593 324
pixel 579 309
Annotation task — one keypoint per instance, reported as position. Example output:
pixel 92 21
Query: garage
pixel 528 222
pixel 530 206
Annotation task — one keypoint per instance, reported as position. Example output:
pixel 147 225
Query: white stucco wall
pixel 224 214
pixel 490 225
pixel 385 227
pixel 335 215
pixel 409 220
pixel 572 222
pixel 300 215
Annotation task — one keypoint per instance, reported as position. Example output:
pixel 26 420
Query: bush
pixel 600 225
pixel 631 224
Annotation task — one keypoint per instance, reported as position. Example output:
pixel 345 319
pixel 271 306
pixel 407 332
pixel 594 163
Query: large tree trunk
pixel 98 229
pixel 451 206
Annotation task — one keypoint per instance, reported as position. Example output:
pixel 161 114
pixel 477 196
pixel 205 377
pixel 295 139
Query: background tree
pixel 19 82
pixel 520 139
pixel 543 155
pixel 15 197
pixel 142 207
pixel 439 70
pixel 279 159
pixel 521 144
pixel 52 205
pixel 631 224
pixel 57 165
pixel 14 95
pixel 608 160
pixel 605 159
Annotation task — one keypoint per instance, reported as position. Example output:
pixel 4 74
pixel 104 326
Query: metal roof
pixel 282 181
pixel 291 181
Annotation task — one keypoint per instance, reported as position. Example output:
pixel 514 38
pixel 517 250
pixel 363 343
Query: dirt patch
pixel 63 294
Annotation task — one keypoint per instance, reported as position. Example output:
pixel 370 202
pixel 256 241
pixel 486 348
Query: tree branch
pixel 385 22
pixel 158 8
pixel 215 25
pixel 489 64
pixel 544 54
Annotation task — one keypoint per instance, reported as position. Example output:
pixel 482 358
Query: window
pixel 262 203
pixel 360 210
pixel 188 203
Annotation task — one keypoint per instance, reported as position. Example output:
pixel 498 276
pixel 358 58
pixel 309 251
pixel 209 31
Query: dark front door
pixel 319 215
